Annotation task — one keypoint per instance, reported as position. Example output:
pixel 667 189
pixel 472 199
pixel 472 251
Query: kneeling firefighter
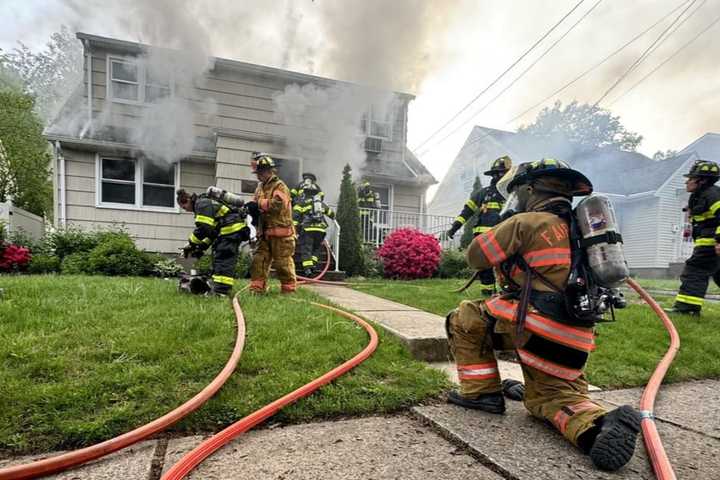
pixel 488 202
pixel 535 253
pixel 221 226
pixel 309 215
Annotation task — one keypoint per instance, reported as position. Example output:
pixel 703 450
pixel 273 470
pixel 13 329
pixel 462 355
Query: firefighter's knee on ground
pixel 469 319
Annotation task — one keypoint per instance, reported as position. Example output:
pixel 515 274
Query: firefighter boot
pixel 683 311
pixel 513 389
pixel 487 402
pixel 615 435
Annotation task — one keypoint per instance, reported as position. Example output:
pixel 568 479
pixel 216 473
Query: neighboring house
pixel 648 195
pixel 103 175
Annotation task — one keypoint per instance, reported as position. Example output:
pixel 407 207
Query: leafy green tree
pixel 586 126
pixel 25 158
pixel 348 216
pixel 49 75
pixel 660 155
pixel 467 234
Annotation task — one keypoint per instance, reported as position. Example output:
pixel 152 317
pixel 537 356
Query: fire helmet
pixel 500 166
pixel 309 175
pixel 545 171
pixel 261 161
pixel 704 169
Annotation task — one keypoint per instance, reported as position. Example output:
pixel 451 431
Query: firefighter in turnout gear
pixel 704 212
pixel 218 225
pixel 532 249
pixel 488 202
pixel 309 214
pixel 307 179
pixel 275 233
pixel 368 199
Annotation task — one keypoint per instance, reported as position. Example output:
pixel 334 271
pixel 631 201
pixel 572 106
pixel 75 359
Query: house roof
pixel 409 171
pixel 135 47
pixel 707 147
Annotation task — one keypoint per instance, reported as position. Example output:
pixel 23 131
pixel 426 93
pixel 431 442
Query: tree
pixel 49 75
pixel 660 155
pixel 586 126
pixel 348 217
pixel 467 234
pixel 26 156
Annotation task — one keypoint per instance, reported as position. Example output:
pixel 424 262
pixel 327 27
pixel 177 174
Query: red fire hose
pixel 78 457
pixel 656 451
pixel 206 448
pixel 318 278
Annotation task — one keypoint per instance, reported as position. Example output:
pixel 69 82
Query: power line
pixel 522 74
pixel 642 56
pixel 597 65
pixel 467 105
pixel 687 44
pixel 586 72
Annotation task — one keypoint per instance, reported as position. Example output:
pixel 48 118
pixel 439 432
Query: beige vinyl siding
pixel 407 199
pixel 152 231
pixel 639 230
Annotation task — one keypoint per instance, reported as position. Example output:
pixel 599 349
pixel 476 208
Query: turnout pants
pixel 225 256
pixel 310 243
pixel 699 268
pixel 277 252
pixel 473 336
pixel 487 277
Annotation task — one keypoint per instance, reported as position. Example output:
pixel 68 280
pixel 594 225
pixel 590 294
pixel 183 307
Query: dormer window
pixel 376 125
pixel 129 81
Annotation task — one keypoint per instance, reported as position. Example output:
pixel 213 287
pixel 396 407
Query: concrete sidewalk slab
pixel 525 448
pixel 358 301
pixel 694 405
pixel 132 463
pixel 366 448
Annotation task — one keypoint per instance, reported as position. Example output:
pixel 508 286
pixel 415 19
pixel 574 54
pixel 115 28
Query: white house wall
pixel 639 230
pixel 152 231
pixel 672 198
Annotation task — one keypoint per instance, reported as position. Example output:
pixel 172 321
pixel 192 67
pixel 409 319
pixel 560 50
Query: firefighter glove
pixel 187 250
pixel 455 227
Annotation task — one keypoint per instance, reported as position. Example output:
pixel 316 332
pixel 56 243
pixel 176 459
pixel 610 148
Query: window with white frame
pixel 136 183
pixel 384 193
pixel 377 125
pixel 134 82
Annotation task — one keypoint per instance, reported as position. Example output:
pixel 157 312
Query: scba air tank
pixel 602 240
pixel 225 196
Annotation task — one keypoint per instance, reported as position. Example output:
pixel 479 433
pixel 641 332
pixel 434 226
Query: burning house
pixel 648 195
pixel 147 121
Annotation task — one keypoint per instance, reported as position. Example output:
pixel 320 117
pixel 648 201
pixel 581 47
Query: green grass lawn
pixel 628 349
pixel 671 285
pixel 87 358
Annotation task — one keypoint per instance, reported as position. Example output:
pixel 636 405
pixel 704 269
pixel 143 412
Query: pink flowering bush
pixel 409 254
pixel 13 257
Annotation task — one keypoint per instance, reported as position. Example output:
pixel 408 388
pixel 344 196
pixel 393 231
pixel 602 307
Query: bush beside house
pixel 410 254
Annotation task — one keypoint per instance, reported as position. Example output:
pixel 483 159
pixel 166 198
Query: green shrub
pixel 242 267
pixel 75 264
pixel 165 267
pixel 44 263
pixel 117 255
pixel 453 264
pixel 71 240
pixel 372 265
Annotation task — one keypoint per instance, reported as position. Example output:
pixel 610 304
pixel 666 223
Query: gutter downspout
pixel 62 217
pixel 88 55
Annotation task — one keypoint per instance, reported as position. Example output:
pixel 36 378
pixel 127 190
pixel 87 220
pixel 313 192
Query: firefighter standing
pixel 488 202
pixel 275 233
pixel 535 246
pixel 704 211
pixel 222 227
pixel 309 214
pixel 368 199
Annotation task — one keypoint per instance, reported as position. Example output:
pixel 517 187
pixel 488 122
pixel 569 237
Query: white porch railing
pixel 376 224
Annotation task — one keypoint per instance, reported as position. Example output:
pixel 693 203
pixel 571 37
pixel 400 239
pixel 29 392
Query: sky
pixel 444 52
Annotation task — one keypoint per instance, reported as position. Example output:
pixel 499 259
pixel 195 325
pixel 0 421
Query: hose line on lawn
pixel 78 457
pixel 658 458
pixel 206 448
pixel 318 278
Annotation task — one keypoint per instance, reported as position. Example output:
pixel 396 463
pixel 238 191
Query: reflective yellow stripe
pixel 308 263
pixel 194 239
pixel 461 220
pixel 715 207
pixel 689 299
pixel 487 286
pixel 204 219
pixel 473 206
pixel 481 229
pixel 495 205
pixel 314 258
pixel 717 231
pixel 710 213
pixel 314 229
pixel 222 211
pixel 223 279
pixel 704 242
pixel 235 227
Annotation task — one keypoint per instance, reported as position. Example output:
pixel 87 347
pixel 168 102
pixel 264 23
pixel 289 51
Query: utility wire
pixel 597 65
pixel 582 75
pixel 522 74
pixel 687 44
pixel 643 56
pixel 467 105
